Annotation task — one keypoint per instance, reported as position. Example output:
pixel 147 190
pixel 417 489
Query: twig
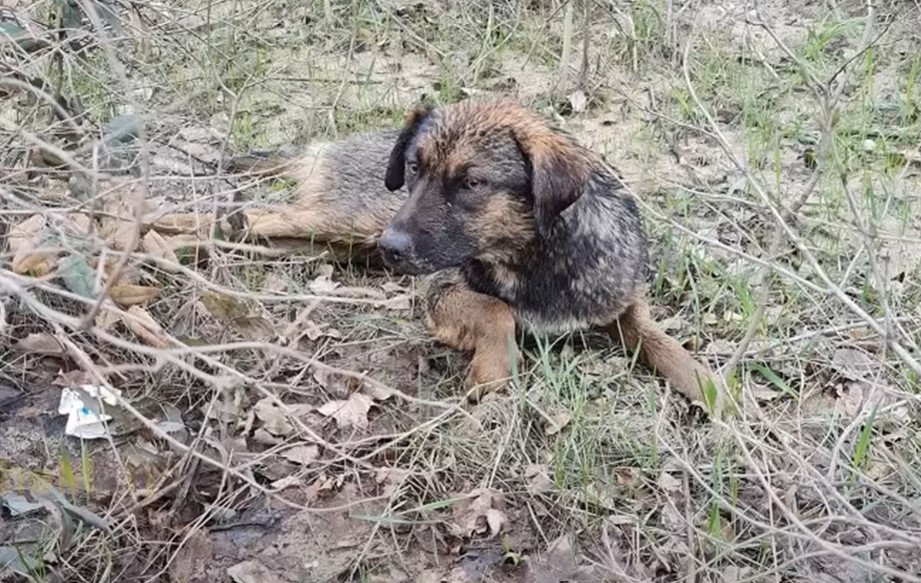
pixel 831 288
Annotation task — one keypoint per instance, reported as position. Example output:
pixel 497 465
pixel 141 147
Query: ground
pixel 283 415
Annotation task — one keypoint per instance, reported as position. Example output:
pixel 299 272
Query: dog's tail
pixel 664 354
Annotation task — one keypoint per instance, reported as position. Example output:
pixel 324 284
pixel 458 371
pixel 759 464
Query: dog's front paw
pixel 489 372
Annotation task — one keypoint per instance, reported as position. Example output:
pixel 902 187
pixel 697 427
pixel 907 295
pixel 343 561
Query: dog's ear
pixel 396 166
pixel 558 176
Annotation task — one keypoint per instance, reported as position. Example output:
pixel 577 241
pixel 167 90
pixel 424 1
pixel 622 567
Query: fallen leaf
pixel 481 513
pixel 323 283
pixel 130 295
pixel 669 483
pixel 853 364
pixel 390 479
pixel 557 422
pixel 377 391
pixel 13 559
pixel 352 412
pixel 40 343
pixel 262 436
pixel 302 454
pixel 252 572
pixel 284 483
pixel 155 245
pixel 191 561
pixel 273 417
pixel 107 316
pixel 25 246
pixel 139 321
pixel 559 565
pixel 121 199
pixel 230 310
pixel 18 504
pixel 578 100
pixel 538 478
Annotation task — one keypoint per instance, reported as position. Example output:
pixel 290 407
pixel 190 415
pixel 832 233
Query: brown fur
pixel 518 223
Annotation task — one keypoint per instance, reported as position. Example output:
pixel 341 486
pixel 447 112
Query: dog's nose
pixel 395 245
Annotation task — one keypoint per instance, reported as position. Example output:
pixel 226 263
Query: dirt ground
pixel 283 416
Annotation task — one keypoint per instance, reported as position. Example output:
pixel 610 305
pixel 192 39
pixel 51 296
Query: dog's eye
pixel 472 183
pixel 413 168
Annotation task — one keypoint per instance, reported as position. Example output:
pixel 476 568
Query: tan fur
pixel 317 212
pixel 467 321
pixel 662 353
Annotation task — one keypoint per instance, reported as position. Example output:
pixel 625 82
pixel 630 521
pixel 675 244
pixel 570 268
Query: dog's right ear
pixel 396 166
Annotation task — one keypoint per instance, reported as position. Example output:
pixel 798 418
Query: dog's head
pixel 485 179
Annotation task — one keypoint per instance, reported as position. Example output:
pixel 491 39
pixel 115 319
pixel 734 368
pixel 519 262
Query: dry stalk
pixel 831 288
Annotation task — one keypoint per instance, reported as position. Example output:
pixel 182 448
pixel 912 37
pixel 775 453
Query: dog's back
pixel 339 194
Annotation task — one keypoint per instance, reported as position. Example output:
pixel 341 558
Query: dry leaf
pixel 273 417
pixel 264 437
pixel 25 247
pixel 145 327
pixel 302 454
pixel 578 100
pixel 853 364
pixel 377 391
pixel 349 413
pixel 323 283
pixel 557 422
pixel 481 513
pixel 252 572
pixel 130 295
pixel 559 565
pixel 538 478
pixel 284 483
pixel 154 244
pixel 41 343
pixel 191 561
pixel 390 479
pixel 107 316
pixel 669 483
pixel 121 198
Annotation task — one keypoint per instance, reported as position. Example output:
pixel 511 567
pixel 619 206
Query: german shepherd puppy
pixel 514 222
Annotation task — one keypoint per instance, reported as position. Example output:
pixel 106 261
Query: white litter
pixel 81 421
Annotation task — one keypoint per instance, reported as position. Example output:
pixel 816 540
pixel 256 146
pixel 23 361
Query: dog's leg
pixel 659 351
pixel 469 321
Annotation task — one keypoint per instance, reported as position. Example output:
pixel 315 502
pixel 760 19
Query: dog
pixel 511 221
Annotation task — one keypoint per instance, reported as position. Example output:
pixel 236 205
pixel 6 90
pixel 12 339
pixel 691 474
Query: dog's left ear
pixel 558 178
pixel 396 166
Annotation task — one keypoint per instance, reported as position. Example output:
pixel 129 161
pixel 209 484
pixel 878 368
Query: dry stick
pixel 116 274
pixel 10 286
pixel 63 114
pixel 829 103
pixel 762 280
pixel 174 356
pixel 801 532
pixel 36 141
pixel 831 288
pixel 791 516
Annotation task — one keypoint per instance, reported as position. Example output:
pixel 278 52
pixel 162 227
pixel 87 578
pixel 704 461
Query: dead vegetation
pixel 277 413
